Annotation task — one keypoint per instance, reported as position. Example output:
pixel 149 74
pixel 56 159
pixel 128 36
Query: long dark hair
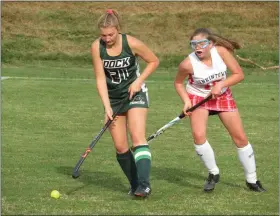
pixel 218 40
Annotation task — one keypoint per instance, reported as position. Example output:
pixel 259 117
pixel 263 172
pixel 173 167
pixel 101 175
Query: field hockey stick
pixel 178 118
pixel 75 173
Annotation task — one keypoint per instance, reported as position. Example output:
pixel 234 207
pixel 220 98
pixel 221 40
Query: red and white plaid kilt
pixel 224 102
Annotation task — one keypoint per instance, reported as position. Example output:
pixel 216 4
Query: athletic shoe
pixel 131 191
pixel 142 191
pixel 211 181
pixel 257 187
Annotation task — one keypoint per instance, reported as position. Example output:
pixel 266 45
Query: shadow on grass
pixel 103 179
pixel 176 176
pixel 170 174
pixel 184 178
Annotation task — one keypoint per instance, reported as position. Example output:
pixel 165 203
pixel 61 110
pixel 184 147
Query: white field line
pixel 75 79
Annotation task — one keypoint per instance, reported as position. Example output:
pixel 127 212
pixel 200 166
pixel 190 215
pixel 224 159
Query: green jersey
pixel 120 71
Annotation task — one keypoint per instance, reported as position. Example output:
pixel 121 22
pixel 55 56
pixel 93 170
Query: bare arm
pixel 100 75
pixel 237 73
pixel 184 69
pixel 140 49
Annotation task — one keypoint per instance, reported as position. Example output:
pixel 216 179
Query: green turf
pixel 49 116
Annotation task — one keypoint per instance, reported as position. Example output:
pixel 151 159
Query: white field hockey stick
pixel 178 118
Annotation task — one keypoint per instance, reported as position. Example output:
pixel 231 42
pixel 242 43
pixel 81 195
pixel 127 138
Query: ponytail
pixel 109 19
pixel 218 40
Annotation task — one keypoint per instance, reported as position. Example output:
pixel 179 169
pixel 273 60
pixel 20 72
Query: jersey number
pixel 118 75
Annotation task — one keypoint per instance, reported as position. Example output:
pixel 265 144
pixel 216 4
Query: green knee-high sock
pixel 142 156
pixel 127 163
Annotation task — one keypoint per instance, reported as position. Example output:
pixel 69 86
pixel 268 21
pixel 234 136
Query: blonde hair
pixel 109 19
pixel 218 40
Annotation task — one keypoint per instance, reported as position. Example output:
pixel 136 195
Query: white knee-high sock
pixel 247 159
pixel 206 154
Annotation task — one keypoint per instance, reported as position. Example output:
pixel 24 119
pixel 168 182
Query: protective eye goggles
pixel 200 43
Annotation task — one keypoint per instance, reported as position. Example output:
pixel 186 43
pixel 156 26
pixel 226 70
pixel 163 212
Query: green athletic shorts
pixel 140 99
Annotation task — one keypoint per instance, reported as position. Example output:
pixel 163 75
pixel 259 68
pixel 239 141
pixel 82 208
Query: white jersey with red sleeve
pixel 204 77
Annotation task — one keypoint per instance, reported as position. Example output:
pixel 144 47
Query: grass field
pixel 49 116
pixel 51 110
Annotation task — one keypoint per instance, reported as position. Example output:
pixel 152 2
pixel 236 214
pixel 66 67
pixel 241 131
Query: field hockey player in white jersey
pixel 206 68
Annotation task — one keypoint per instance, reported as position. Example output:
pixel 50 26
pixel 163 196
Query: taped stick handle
pixel 182 115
